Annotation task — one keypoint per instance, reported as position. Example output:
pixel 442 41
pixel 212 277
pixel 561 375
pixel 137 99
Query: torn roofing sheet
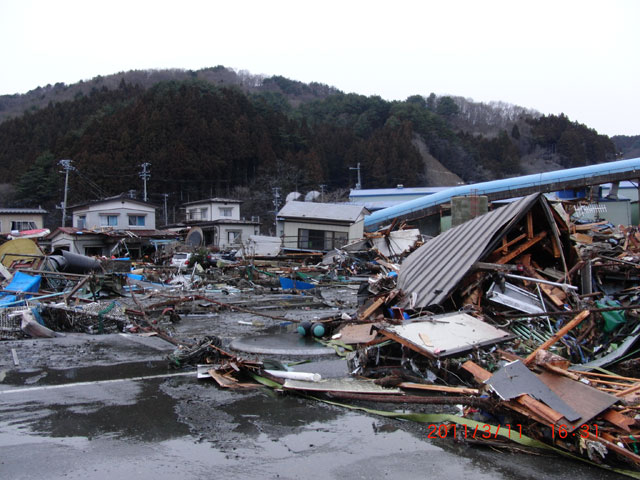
pixel 515 379
pixel 445 335
pixel 435 269
pixel 396 243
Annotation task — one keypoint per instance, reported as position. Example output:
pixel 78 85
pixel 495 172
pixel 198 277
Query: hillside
pixel 627 146
pixel 220 132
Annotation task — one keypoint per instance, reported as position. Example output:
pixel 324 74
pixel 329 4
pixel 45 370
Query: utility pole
pixel 66 165
pixel 276 204
pixel 322 187
pixel 165 195
pixel 145 175
pixel 359 184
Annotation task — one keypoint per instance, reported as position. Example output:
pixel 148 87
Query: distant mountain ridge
pixel 222 132
pixel 17 104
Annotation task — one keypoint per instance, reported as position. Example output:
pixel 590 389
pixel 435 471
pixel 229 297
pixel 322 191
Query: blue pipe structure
pixel 509 188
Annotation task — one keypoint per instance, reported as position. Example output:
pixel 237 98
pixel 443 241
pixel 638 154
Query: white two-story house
pixel 220 222
pixel 113 226
pixel 115 213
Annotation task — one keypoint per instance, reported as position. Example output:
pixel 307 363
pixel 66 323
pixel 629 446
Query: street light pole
pixel 359 184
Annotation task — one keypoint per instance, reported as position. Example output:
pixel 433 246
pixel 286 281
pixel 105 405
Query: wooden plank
pixel 479 374
pixel 522 248
pixel 588 226
pixel 221 380
pixel 587 401
pixel 559 334
pixel 529 225
pixel 377 303
pixel 540 409
pixel 561 371
pixel 439 388
pixel 504 249
pixel 582 238
pixel 629 390
pixel 524 404
pixel 615 377
pixel 619 420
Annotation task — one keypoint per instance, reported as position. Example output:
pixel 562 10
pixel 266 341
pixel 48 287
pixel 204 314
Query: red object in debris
pixel 36 233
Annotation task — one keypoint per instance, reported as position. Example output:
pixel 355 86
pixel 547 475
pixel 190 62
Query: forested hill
pixel 218 132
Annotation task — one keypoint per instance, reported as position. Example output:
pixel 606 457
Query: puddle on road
pixel 137 411
pixel 52 376
pixel 156 425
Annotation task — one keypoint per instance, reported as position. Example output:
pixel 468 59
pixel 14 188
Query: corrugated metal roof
pixel 436 268
pixel 343 212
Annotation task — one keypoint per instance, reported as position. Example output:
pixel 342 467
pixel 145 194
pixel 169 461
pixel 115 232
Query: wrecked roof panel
pixel 445 335
pixel 433 270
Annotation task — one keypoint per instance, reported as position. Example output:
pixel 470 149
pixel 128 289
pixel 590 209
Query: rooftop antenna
pixel 359 184
pixel 66 165
pixel 145 175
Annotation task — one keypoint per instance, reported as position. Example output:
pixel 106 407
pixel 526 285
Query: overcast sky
pixel 577 57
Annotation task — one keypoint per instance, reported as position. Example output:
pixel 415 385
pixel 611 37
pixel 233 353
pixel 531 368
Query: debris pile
pixel 523 319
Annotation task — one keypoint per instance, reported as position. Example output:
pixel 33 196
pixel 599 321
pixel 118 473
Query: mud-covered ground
pixel 109 406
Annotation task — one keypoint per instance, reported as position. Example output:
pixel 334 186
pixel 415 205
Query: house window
pixel 192 214
pixel 226 211
pixel 20 226
pixel 137 220
pixel 204 212
pixel 234 236
pixel 321 239
pixel 82 221
pixel 108 220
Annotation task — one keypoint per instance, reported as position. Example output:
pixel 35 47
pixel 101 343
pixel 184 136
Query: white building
pixel 115 213
pixel 19 219
pixel 320 226
pixel 114 226
pixel 220 222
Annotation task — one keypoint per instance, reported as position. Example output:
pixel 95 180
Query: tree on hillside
pixel 39 185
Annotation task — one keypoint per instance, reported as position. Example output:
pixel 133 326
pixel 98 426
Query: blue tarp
pixel 288 284
pixel 21 283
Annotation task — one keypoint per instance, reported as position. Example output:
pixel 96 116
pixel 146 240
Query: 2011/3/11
pixel 481 430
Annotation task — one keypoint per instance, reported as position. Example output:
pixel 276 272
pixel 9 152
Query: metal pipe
pixel 539 280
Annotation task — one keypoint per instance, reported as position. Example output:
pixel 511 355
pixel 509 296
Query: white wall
pixel 214 211
pixel 96 215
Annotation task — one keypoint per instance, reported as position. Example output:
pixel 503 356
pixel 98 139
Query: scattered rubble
pixel 523 321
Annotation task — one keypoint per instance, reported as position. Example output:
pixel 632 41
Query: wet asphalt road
pixel 101 407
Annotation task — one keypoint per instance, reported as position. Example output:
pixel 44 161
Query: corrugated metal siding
pixel 436 268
